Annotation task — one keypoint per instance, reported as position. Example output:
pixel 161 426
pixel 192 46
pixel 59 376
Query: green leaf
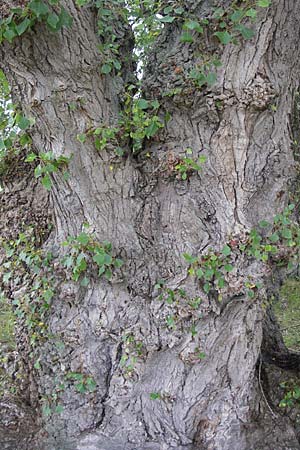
pixel 22 122
pixel 206 288
pixel 39 8
pixel 247 33
pixel 226 250
pixel 151 130
pixel 37 365
pixel 228 267
pixel 223 36
pixel 155 104
pixel 81 138
pixel 250 293
pixel 211 78
pixel 167 19
pixel 263 3
pixel 48 295
pixel 83 238
pixel 274 237
pixel 155 396
pixel 142 103
pixel 68 261
pixel 84 282
pixel 31 157
pixel 10 34
pixel 193 25
pixel 52 21
pixel 179 10
pixel 237 15
pixel 264 223
pixel 117 64
pixel 189 258
pixel 219 12
pixel 118 263
pixel 59 409
pixel 286 233
pixel 46 182
pixel 251 13
pixel 108 274
pixel 22 27
pixel 106 68
pixel 65 20
pixel 199 273
pixel 99 259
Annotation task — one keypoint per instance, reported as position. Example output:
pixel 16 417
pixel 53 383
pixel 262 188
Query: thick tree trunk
pixel 152 218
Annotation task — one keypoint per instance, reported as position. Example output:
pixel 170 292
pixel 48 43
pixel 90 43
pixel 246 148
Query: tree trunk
pixel 242 126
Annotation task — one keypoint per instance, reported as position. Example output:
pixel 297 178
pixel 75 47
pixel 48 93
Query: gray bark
pixel 215 403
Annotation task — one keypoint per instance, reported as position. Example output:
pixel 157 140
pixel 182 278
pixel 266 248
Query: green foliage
pixel 291 398
pixel 133 350
pixel 26 263
pixel 7 323
pixel 188 164
pixel 83 383
pixel 13 127
pixel 287 311
pixel 47 165
pixel 279 243
pixel 23 19
pixel 155 396
pixel 211 268
pixel 85 253
pixel 138 121
pixel 178 300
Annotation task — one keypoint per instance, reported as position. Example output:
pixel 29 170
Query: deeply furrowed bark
pixel 152 218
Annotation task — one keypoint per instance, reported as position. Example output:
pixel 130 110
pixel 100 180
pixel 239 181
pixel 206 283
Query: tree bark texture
pixel 152 218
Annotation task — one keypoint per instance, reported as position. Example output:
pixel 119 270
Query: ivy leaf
pixel 83 238
pixel 37 365
pixel 106 68
pixel 22 122
pixel 99 259
pixel 31 157
pixel 193 25
pixel 211 78
pixel 263 3
pixel 65 20
pixel 223 36
pixel 264 223
pixel 84 282
pixel 226 250
pixel 59 409
pixel 186 37
pixel 118 263
pixel 142 103
pixel 286 233
pixel 228 267
pixel 237 15
pixel 151 129
pixel 46 182
pixel 247 33
pixel 251 13
pixel 52 21
pixel 22 27
pixel 39 8
pixel 167 19
pixel 91 384
pixel 10 34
